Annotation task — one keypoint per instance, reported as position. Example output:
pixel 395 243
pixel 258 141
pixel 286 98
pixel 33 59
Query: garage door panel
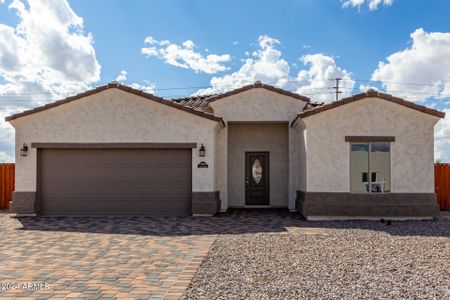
pixel 150 175
pixel 119 190
pixel 75 182
pixel 108 158
pixel 115 181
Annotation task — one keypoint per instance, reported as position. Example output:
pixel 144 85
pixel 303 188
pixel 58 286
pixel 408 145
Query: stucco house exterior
pixel 118 150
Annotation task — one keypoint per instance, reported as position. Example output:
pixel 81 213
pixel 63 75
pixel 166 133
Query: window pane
pixel 257 171
pixel 380 167
pixel 359 165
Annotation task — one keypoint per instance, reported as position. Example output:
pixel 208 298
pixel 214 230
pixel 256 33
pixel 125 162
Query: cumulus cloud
pixel 442 138
pixel 6 137
pixel 424 62
pixel 372 4
pixel 44 56
pixel 319 77
pixel 419 72
pixel 267 65
pixel 185 56
pixel 147 87
pixel 5 157
pixel 48 46
pixel 425 66
pixel 122 76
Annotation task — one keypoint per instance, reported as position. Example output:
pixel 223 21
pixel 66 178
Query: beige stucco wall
pixel 412 153
pixel 243 137
pixel 222 160
pixel 256 105
pixel 116 116
pixel 299 131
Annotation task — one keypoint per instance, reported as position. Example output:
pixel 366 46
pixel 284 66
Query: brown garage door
pixel 114 181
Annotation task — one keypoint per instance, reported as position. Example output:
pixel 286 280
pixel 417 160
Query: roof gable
pixel 370 94
pixel 257 84
pixel 120 87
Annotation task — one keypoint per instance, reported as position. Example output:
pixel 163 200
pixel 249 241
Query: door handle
pixel 246 181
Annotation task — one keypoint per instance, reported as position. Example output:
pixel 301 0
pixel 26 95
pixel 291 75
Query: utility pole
pixel 337 92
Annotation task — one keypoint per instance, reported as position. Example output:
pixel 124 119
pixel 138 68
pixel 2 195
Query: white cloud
pixel 425 61
pixel 442 138
pixel 364 88
pixel 6 158
pixel 147 87
pixel 235 43
pixel 47 46
pixel 268 66
pixel 426 67
pixel 6 137
pixel 372 4
pixel 319 78
pixel 185 56
pixel 46 55
pixel 122 76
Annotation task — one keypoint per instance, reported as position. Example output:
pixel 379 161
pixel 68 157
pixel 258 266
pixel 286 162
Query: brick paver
pixel 113 257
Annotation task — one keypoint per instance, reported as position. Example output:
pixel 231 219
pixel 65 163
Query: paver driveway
pixel 117 257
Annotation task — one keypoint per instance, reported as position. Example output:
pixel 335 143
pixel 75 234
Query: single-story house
pixel 118 150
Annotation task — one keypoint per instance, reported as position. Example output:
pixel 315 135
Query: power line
pixel 404 92
pixel 236 85
pixel 314 91
pixel 205 87
pixel 155 89
pixel 396 82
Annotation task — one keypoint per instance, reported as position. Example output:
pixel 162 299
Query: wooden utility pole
pixel 337 92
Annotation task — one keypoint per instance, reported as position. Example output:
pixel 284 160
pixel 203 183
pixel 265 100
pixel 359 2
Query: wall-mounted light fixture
pixel 202 151
pixel 24 150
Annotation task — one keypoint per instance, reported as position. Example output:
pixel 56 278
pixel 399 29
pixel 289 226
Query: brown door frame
pixel 266 177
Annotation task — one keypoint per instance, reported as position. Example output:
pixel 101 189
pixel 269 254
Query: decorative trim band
pixel 368 139
pixel 113 145
pixel 367 205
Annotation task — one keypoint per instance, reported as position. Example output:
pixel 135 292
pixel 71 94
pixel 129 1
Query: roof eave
pixel 120 87
pixel 258 85
pixel 369 94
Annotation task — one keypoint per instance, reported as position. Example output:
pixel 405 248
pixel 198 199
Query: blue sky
pixel 51 49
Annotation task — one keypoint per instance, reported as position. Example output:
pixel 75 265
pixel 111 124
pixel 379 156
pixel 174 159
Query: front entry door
pixel 257 178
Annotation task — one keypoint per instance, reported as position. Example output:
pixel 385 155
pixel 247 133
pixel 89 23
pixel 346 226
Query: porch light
pixel 202 151
pixel 24 150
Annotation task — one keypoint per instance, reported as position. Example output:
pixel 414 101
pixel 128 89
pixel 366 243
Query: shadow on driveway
pixel 234 222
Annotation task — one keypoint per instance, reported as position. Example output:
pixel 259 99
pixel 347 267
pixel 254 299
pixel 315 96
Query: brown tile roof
pixel 258 84
pixel 201 102
pixel 196 102
pixel 369 93
pixel 123 88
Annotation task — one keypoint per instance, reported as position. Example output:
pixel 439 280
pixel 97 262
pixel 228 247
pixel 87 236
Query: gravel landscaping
pixel 330 260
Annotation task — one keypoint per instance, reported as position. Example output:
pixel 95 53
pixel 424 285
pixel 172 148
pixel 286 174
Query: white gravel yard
pixel 330 260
